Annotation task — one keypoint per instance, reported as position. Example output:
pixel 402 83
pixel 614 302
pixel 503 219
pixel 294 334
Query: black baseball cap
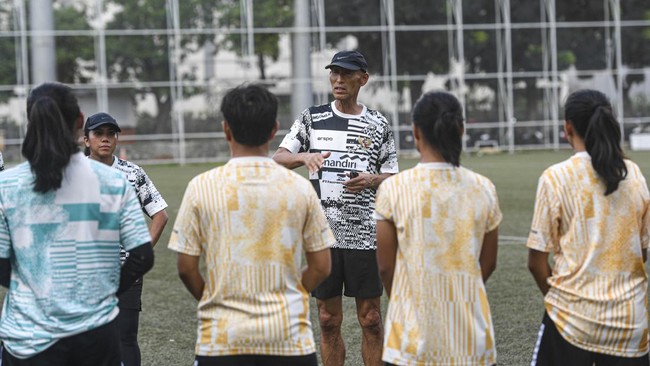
pixel 351 60
pixel 100 119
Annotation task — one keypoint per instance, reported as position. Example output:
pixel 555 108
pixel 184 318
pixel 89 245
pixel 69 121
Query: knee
pixel 330 323
pixel 371 320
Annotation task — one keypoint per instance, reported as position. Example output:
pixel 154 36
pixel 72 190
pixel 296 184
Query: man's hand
pixel 314 161
pixel 364 180
pixel 360 182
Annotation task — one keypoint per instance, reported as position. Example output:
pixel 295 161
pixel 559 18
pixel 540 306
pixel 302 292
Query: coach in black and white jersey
pixel 100 137
pixel 349 150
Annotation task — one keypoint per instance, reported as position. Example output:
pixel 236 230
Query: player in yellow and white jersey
pixel 592 214
pixel 437 234
pixel 252 220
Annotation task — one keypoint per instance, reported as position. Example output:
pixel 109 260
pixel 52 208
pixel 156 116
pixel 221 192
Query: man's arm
pixel 319 266
pixel 365 180
pixel 5 272
pixel 158 222
pixel 488 256
pixel 312 161
pixel 188 271
pixel 386 252
pixel 138 262
pixel 539 267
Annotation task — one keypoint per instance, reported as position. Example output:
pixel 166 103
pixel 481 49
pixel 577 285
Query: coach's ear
pixel 226 130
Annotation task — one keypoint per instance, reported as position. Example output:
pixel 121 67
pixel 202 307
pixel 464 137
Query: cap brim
pixel 344 65
pixel 117 128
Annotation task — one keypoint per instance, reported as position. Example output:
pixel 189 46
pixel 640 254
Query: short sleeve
pixel 645 229
pixel 387 153
pixel 317 234
pixel 186 235
pixel 383 206
pixel 150 199
pixel 544 231
pixel 297 140
pixel 133 229
pixel 5 238
pixel 494 215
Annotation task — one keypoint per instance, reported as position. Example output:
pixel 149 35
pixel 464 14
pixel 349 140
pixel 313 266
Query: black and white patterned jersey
pixel 361 143
pixel 150 199
pixel 2 163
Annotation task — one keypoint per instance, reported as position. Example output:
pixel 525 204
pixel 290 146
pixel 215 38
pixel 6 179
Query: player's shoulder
pixel 319 108
pixel 127 166
pixel 374 116
pixel 19 175
pixel 318 112
pixel 632 168
pixel 480 178
pixel 106 175
pixel 209 175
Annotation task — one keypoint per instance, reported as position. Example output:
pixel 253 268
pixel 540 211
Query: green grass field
pixel 167 323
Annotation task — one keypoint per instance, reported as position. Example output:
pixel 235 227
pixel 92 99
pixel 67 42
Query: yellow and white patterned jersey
pixel 598 287
pixel 252 219
pixel 438 312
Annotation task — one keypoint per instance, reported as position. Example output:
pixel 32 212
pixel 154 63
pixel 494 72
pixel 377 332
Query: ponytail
pixel 590 113
pixel 50 140
pixel 602 141
pixel 439 117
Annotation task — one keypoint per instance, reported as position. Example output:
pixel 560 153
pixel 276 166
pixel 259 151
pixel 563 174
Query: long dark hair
pixel 590 114
pixel 52 111
pixel 439 116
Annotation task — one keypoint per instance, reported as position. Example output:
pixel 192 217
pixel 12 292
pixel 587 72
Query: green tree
pixel 146 58
pixel 71 50
pixel 7 50
pixel 267 14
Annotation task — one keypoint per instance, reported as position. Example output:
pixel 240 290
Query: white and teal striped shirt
pixel 64 252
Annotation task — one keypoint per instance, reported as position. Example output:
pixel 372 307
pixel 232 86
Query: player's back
pixel 253 214
pixel 65 246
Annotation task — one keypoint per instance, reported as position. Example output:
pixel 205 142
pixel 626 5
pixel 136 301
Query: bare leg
pixel 332 348
pixel 369 314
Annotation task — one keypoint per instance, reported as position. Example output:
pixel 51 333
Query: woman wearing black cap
pixel 100 138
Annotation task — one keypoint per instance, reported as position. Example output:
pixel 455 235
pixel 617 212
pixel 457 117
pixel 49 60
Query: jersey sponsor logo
pixel 328 140
pixel 320 116
pixel 346 161
pixel 340 164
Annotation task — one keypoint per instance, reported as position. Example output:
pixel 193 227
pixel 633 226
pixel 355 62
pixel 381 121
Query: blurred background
pixel 161 66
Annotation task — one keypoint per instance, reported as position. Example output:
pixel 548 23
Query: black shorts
pixel 132 298
pixel 552 349
pixel 96 347
pixel 257 360
pixel 357 270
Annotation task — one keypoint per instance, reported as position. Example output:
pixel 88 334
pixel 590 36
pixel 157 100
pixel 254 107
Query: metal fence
pixel 510 103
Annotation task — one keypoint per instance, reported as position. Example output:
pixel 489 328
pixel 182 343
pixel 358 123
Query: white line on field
pixel 511 240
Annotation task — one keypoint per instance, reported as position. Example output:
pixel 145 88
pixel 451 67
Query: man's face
pixel 102 141
pixel 346 83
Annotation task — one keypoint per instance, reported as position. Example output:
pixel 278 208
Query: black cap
pixel 100 119
pixel 351 60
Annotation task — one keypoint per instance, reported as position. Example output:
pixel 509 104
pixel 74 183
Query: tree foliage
pixel 139 58
pixel 71 51
pixel 7 50
pixel 267 14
